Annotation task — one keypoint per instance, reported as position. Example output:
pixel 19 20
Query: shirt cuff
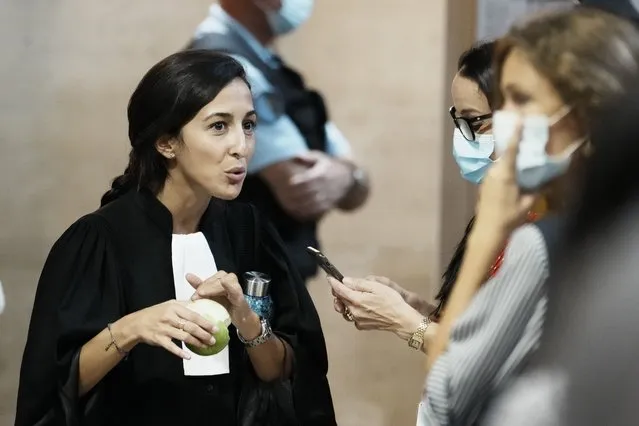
pixel 336 143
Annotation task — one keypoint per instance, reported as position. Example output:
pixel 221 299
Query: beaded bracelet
pixel 121 351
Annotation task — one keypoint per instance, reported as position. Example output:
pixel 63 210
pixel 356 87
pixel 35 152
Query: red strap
pixel 532 217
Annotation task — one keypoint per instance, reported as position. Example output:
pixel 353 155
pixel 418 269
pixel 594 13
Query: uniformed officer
pixel 302 167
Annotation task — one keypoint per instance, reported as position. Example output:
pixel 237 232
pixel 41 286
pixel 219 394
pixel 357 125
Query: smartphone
pixel 325 264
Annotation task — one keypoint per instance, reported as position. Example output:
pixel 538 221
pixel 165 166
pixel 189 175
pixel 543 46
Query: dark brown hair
pixel 588 55
pixel 476 64
pixel 168 97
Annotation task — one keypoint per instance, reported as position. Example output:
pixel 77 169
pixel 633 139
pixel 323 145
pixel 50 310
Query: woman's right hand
pixel 375 306
pixel 413 299
pixel 158 325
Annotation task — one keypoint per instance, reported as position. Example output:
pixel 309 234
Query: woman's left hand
pixel 375 306
pixel 224 288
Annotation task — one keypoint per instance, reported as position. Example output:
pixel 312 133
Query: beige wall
pixel 69 67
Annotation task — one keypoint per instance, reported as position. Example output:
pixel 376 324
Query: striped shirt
pixel 494 337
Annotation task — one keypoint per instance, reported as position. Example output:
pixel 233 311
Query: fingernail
pixel 212 340
pixel 215 329
pixel 186 355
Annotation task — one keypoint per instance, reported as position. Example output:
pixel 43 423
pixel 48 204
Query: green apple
pixel 218 315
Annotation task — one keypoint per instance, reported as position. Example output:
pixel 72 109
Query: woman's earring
pixel 171 155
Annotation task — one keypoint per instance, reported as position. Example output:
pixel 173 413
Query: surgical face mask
pixel 473 157
pixel 535 167
pixel 290 16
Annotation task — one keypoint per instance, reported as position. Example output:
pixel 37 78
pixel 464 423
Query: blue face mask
pixel 290 16
pixel 473 157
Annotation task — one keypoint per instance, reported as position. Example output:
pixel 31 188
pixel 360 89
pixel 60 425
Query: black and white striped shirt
pixel 494 337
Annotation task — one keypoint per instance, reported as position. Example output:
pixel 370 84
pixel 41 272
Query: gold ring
pixel 348 316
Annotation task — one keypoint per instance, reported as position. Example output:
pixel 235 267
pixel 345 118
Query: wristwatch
pixel 264 336
pixel 417 339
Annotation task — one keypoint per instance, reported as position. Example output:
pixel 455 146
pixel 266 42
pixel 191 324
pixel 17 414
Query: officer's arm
pixel 340 148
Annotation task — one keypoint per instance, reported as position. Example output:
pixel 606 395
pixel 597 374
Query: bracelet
pixel 265 335
pixel 121 351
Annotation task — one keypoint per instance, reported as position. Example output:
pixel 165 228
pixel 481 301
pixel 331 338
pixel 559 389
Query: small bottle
pixel 256 293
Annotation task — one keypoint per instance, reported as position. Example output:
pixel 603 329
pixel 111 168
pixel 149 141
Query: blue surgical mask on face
pixel 535 167
pixel 473 157
pixel 290 16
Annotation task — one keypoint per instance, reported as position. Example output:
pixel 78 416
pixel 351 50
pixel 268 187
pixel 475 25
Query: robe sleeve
pixel 297 321
pixel 78 293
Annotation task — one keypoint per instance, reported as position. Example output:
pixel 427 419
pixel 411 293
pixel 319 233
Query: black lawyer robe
pixel 116 261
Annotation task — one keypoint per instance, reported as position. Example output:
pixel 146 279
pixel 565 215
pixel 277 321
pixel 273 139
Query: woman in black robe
pixel 105 339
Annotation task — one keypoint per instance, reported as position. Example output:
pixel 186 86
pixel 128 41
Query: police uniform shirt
pixel 278 137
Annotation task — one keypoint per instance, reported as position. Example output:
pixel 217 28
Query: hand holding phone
pixel 325 264
pixel 332 271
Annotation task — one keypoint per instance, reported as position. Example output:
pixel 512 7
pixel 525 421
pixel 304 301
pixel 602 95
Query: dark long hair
pixel 475 64
pixel 168 97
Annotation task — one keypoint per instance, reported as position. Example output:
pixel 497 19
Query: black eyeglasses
pixel 468 126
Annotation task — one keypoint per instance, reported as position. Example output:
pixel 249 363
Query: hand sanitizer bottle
pixel 257 293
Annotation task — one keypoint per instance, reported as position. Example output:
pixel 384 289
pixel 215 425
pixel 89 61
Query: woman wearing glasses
pixel 473 144
pixel 388 306
pixel 471 112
